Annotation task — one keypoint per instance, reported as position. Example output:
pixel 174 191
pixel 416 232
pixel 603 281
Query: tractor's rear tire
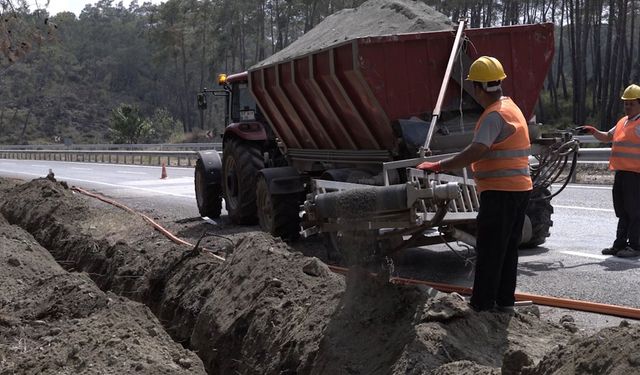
pixel 241 162
pixel 208 196
pixel 539 213
pixel 277 214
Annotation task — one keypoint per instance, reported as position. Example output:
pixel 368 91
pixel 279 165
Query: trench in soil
pixel 271 310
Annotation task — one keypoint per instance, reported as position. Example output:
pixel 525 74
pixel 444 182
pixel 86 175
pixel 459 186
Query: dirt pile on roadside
pixel 266 309
pixel 614 350
pixel 372 18
pixel 56 322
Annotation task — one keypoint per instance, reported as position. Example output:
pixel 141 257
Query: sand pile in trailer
pixel 372 18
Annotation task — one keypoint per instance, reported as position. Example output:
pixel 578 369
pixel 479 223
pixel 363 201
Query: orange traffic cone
pixel 163 175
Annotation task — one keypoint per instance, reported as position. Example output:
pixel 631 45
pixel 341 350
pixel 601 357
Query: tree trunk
pixel 24 128
pixel 203 56
pixel 560 69
pixel 260 53
pixel 616 73
pixel 15 116
pixel 632 42
pixel 606 74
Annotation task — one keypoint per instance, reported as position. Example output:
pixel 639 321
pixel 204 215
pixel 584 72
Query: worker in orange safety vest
pixel 625 161
pixel 499 159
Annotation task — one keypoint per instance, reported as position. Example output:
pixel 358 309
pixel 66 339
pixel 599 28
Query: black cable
pixel 552 164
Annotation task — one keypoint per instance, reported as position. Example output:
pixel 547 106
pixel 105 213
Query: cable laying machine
pixel 327 143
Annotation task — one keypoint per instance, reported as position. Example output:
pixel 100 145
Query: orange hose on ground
pixel 153 223
pixel 565 303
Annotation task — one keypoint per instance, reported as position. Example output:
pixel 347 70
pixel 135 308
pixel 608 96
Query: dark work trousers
pixel 500 221
pixel 626 203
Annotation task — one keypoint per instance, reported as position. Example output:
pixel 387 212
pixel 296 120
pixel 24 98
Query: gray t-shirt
pixel 634 118
pixel 492 129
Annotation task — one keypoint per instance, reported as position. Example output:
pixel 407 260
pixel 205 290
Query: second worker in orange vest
pixel 499 158
pixel 625 161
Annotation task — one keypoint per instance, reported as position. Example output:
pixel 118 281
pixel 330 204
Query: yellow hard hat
pixel 486 69
pixel 631 93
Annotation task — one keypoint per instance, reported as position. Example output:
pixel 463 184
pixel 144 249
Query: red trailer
pixel 347 97
pixel 327 141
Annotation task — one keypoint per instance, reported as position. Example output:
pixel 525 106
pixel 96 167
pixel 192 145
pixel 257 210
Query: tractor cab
pixel 240 106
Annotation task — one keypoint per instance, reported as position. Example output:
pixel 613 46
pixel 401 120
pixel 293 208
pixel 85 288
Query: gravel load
pixel 372 18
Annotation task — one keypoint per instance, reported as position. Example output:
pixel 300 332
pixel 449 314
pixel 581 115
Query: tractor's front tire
pixel 241 162
pixel 208 196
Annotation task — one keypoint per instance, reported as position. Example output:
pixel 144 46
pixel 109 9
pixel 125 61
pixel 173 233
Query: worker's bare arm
pixel 472 153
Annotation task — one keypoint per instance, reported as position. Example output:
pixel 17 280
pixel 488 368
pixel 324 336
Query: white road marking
pixel 39 165
pixel 108 184
pixel 129 172
pixel 81 169
pixel 584 208
pixel 600 257
pixel 163 182
pixel 588 187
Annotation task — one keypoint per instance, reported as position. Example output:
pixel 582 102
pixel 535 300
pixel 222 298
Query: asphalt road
pixel 137 186
pixel 568 265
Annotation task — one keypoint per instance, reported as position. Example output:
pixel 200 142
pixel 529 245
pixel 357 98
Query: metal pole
pixel 443 89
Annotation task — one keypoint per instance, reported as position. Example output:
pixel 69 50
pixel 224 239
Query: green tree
pixel 127 126
pixel 163 127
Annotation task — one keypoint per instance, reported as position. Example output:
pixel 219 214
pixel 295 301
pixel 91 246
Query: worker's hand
pixel 586 129
pixel 430 166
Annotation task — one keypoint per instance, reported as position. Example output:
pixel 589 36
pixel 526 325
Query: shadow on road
pixel 531 252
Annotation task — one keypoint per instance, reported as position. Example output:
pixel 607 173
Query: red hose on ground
pixel 566 303
pixel 153 223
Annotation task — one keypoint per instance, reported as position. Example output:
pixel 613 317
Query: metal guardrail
pixel 180 158
pixel 584 139
pixel 594 154
pixel 169 158
pixel 130 147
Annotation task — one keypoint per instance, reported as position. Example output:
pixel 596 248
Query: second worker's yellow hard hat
pixel 632 92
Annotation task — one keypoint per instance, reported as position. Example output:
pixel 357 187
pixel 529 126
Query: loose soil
pixel 372 18
pixel 87 285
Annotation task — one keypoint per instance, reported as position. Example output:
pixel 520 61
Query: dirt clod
pixel 314 267
pixel 514 361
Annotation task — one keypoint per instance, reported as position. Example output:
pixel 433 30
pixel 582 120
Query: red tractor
pixel 327 142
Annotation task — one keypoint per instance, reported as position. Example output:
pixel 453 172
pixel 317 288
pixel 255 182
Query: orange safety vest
pixel 625 150
pixel 505 166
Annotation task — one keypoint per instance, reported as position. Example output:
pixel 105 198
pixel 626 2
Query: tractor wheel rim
pixel 231 182
pixel 265 213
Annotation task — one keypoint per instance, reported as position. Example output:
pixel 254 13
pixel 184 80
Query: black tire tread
pixel 285 213
pixel 539 212
pixel 210 202
pixel 249 161
pixel 286 216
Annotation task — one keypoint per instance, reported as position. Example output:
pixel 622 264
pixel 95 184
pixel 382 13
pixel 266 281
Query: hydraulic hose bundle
pixel 552 164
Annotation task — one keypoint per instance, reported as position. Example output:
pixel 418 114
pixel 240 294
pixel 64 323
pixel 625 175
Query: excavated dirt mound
pixel 265 310
pixel 56 322
pixel 372 18
pixel 614 350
